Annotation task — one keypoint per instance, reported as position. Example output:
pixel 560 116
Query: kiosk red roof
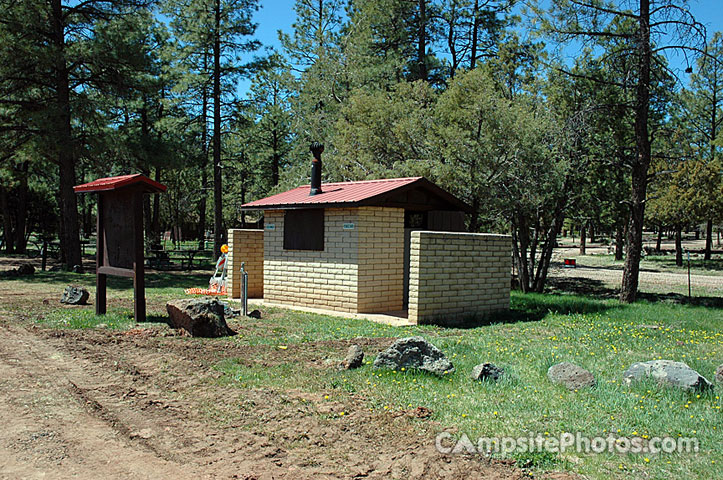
pixel 114 183
pixel 351 194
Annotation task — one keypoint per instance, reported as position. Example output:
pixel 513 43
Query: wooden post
pixel 139 289
pixel 100 278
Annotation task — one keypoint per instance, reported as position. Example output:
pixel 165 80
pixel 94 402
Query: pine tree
pixel 703 103
pixel 213 34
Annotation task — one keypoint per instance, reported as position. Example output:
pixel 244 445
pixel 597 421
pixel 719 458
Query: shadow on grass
pixel 154 280
pixel 531 307
pixel 713 265
pixel 155 319
pixel 596 288
pixel 580 286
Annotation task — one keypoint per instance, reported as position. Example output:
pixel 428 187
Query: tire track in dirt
pixel 98 403
pixel 36 404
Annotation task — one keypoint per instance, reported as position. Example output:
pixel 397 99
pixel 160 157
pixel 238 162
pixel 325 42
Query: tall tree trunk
pixel 218 234
pixel 69 235
pixel 634 238
pixel 155 215
pixel 583 238
pixel 21 209
pixel 550 241
pixel 678 246
pixel 8 237
pixel 422 41
pixel 275 159
pixel 708 239
pixel 619 234
pixel 204 163
pixel 519 253
pixel 475 34
pixel 474 223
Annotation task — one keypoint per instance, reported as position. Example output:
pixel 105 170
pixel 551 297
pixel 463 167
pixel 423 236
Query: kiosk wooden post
pixel 119 247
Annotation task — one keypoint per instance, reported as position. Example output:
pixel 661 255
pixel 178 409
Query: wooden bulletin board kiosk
pixel 119 249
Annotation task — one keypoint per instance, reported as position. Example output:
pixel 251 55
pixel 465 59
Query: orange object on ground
pixel 206 291
pixel 217 284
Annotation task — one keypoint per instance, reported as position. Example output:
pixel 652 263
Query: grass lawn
pixel 601 335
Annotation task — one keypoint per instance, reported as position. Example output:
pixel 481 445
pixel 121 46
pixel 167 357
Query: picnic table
pixel 163 258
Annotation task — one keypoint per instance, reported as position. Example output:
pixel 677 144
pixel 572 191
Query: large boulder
pixel 487 371
pixel 414 352
pixel 666 372
pixel 571 376
pixel 201 317
pixel 74 295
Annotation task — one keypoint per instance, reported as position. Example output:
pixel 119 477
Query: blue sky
pixel 275 15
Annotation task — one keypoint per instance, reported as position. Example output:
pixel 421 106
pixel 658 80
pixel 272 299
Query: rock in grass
pixel 201 317
pixel 487 371
pixel 667 372
pixel 414 352
pixel 719 374
pixel 572 376
pixel 74 295
pixel 354 358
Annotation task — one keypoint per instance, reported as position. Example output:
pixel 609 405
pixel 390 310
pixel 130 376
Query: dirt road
pixel 143 404
pixel 649 281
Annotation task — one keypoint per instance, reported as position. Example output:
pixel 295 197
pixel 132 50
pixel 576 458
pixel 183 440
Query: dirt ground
pixel 603 281
pixel 145 403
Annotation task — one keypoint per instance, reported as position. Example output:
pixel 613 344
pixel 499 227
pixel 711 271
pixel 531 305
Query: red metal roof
pixel 346 194
pixel 114 183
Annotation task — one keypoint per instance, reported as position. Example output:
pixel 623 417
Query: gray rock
pixel 201 317
pixel 487 371
pixel 354 358
pixel 666 372
pixel 719 374
pixel 230 312
pixel 75 295
pixel 414 352
pixel 571 376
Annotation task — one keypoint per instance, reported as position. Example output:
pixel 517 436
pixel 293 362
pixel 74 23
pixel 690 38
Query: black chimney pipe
pixel 316 149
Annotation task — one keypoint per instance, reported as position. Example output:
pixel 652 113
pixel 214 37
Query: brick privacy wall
pixel 381 259
pixel 455 277
pixel 359 269
pixel 245 246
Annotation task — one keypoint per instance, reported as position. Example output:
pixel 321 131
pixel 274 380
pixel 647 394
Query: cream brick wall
pixel 360 269
pixel 457 276
pixel 320 279
pixel 381 259
pixel 245 246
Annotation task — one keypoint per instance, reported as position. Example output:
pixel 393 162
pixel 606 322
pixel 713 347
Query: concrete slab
pixel 395 319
